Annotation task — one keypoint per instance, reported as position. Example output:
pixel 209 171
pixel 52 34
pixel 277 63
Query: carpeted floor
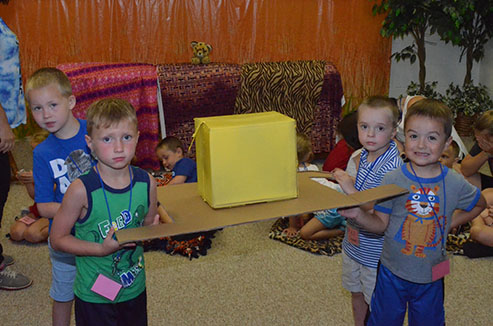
pixel 245 279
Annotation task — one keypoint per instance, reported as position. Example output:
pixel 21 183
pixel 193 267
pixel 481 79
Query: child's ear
pixel 88 141
pixel 394 132
pixel 448 142
pixel 72 101
pixel 179 151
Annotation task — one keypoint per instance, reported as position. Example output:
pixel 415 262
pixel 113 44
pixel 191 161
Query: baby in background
pixel 325 224
pixel 450 157
pixel 171 153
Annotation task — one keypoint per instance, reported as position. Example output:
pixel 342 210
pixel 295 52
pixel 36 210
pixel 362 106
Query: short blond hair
pixel 383 102
pixel 46 76
pixel 303 146
pixel 107 112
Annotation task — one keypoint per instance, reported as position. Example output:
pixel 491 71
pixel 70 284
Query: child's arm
pixel 481 228
pixel 178 179
pixel 347 184
pixel 345 181
pixel 48 210
pixel 460 217
pixel 375 222
pixel 26 178
pixel 152 217
pixel 73 207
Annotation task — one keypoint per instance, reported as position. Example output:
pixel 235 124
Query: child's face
pixel 51 110
pixel 375 129
pixel 448 157
pixel 168 157
pixel 425 140
pixel 114 146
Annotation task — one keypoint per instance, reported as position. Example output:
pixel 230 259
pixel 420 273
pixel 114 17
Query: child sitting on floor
pixel 450 157
pixel 347 130
pixel 325 224
pixel 30 226
pixel 171 153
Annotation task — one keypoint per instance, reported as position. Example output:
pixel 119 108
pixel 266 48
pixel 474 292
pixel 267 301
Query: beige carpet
pixel 245 279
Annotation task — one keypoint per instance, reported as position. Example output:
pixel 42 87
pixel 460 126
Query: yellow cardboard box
pixel 246 158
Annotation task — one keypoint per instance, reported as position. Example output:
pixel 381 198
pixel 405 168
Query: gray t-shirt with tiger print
pixel 413 238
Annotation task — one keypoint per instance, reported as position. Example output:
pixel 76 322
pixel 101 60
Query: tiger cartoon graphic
pixel 419 229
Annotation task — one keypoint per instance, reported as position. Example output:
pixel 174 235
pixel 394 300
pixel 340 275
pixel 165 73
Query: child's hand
pixel 110 245
pixel 25 177
pixel 156 220
pixel 350 213
pixel 485 144
pixel 290 232
pixel 344 179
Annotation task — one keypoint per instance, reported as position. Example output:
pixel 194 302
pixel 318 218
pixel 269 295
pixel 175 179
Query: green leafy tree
pixel 467 24
pixel 408 17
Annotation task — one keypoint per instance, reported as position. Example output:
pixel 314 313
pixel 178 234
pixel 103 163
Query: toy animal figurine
pixel 201 52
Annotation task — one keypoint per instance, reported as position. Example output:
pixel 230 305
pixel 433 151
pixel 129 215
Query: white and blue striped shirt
pixel 370 175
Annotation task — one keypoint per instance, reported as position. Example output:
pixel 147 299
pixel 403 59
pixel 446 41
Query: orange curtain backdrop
pixel 344 32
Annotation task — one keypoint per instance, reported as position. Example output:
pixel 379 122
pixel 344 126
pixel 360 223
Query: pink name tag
pixel 27 220
pixel 440 270
pixel 353 236
pixel 106 287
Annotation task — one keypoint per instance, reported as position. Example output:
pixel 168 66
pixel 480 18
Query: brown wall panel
pixel 344 32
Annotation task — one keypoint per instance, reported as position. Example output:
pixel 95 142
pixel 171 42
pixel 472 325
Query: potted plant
pixel 467 102
pixel 409 17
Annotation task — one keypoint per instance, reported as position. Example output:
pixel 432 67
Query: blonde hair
pixel 383 102
pixel 46 76
pixel 303 146
pixel 485 122
pixel 106 112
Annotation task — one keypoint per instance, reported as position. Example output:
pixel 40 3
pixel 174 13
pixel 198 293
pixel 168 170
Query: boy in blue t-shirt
pixel 171 153
pixel 415 227
pixel 57 161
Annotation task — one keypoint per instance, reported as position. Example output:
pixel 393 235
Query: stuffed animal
pixel 201 52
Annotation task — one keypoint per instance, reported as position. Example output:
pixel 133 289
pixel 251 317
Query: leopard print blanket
pixel 333 246
pixel 327 247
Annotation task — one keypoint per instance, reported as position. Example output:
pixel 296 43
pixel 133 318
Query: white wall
pixel 442 65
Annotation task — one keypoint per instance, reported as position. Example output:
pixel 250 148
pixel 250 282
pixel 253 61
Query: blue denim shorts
pixel 62 275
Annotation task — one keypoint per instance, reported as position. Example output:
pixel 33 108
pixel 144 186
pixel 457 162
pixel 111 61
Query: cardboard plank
pixel 192 214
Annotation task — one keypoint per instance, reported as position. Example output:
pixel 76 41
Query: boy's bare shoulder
pixel 76 190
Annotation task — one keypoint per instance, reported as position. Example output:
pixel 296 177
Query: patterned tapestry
pixel 189 91
pixel 308 91
pixel 134 82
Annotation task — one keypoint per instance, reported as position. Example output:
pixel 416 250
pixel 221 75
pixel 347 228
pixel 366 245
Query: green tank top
pixel 125 266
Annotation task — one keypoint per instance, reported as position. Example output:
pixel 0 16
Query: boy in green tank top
pixel 110 279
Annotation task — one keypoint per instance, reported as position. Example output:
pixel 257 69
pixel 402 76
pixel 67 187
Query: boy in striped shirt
pixel 378 117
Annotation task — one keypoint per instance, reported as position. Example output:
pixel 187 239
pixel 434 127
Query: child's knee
pixel 34 236
pixel 305 234
pixel 17 231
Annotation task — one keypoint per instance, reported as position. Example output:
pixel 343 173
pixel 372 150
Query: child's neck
pixel 115 178
pixel 427 171
pixel 69 129
pixel 373 155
